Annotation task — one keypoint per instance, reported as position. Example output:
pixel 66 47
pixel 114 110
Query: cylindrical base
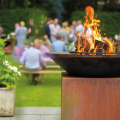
pixel 90 98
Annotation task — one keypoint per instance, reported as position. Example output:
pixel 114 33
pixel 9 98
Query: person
pixel 73 36
pixel 1 32
pixel 79 27
pixel 47 40
pixel 54 29
pixel 32 31
pixel 67 26
pixel 33 59
pixel 21 37
pixel 44 49
pixel 58 45
pixel 47 28
pixel 64 32
pixel 16 27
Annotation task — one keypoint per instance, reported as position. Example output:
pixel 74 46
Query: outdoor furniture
pixel 9 46
pixel 39 72
pixel 49 66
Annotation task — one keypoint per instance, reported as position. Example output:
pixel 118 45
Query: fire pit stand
pixel 90 98
pixel 91 89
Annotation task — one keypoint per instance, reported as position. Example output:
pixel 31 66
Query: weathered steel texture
pixel 88 66
pixel 90 98
pixel 7 102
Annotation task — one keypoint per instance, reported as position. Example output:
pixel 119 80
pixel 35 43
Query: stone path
pixel 35 113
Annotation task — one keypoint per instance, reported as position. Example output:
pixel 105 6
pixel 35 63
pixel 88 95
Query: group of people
pixel 65 33
pixel 21 34
pixel 56 38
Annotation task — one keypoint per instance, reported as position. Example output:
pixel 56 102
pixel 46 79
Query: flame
pixel 111 46
pixel 91 33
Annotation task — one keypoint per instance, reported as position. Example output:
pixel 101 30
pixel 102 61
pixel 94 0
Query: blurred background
pixel 13 11
pixel 70 11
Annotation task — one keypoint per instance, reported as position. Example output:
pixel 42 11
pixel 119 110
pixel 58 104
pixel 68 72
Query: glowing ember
pixel 90 39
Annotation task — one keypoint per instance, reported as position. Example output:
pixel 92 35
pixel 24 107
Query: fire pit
pixel 94 55
pixel 91 90
pixel 88 64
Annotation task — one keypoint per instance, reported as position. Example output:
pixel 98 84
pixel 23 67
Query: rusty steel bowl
pixel 88 65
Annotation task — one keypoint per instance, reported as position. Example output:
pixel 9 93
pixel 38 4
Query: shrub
pixel 8 74
pixel 9 17
pixel 109 21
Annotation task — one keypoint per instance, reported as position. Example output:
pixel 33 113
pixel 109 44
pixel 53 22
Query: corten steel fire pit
pixel 85 65
pixel 91 90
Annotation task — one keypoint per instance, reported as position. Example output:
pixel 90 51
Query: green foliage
pixel 8 74
pixel 27 95
pixel 8 18
pixel 109 21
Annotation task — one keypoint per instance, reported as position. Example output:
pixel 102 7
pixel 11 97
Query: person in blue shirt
pixel 33 60
pixel 58 45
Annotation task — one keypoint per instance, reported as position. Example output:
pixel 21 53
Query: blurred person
pixel 67 26
pixel 1 31
pixel 47 40
pixel 32 31
pixel 17 25
pixel 73 36
pixel 54 29
pixel 62 39
pixel 58 45
pixel 21 37
pixel 47 28
pixel 33 59
pixel 79 27
pixel 64 32
pixel 44 49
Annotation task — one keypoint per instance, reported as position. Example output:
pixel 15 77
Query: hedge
pixel 110 21
pixel 9 17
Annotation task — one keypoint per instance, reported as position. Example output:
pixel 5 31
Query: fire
pixel 91 35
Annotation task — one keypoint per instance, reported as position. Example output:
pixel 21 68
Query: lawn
pixel 41 95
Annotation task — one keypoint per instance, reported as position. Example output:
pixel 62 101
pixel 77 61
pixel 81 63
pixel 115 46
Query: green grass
pixel 41 95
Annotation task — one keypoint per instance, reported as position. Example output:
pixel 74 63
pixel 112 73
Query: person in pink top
pixel 44 50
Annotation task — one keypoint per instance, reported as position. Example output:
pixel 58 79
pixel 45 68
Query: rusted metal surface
pixel 90 98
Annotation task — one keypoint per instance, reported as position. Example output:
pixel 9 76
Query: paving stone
pixel 38 110
pixel 35 113
pixel 26 117
pixel 5 118
pixel 50 117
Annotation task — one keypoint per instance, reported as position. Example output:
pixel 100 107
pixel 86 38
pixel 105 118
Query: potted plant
pixel 8 78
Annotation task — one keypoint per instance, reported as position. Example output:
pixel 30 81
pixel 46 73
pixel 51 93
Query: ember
pixel 90 39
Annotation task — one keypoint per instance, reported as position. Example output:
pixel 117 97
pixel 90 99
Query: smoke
pixel 59 9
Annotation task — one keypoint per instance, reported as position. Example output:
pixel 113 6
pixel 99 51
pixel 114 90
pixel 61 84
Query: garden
pixel 60 94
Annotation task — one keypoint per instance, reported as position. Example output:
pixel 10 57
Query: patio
pixel 35 113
